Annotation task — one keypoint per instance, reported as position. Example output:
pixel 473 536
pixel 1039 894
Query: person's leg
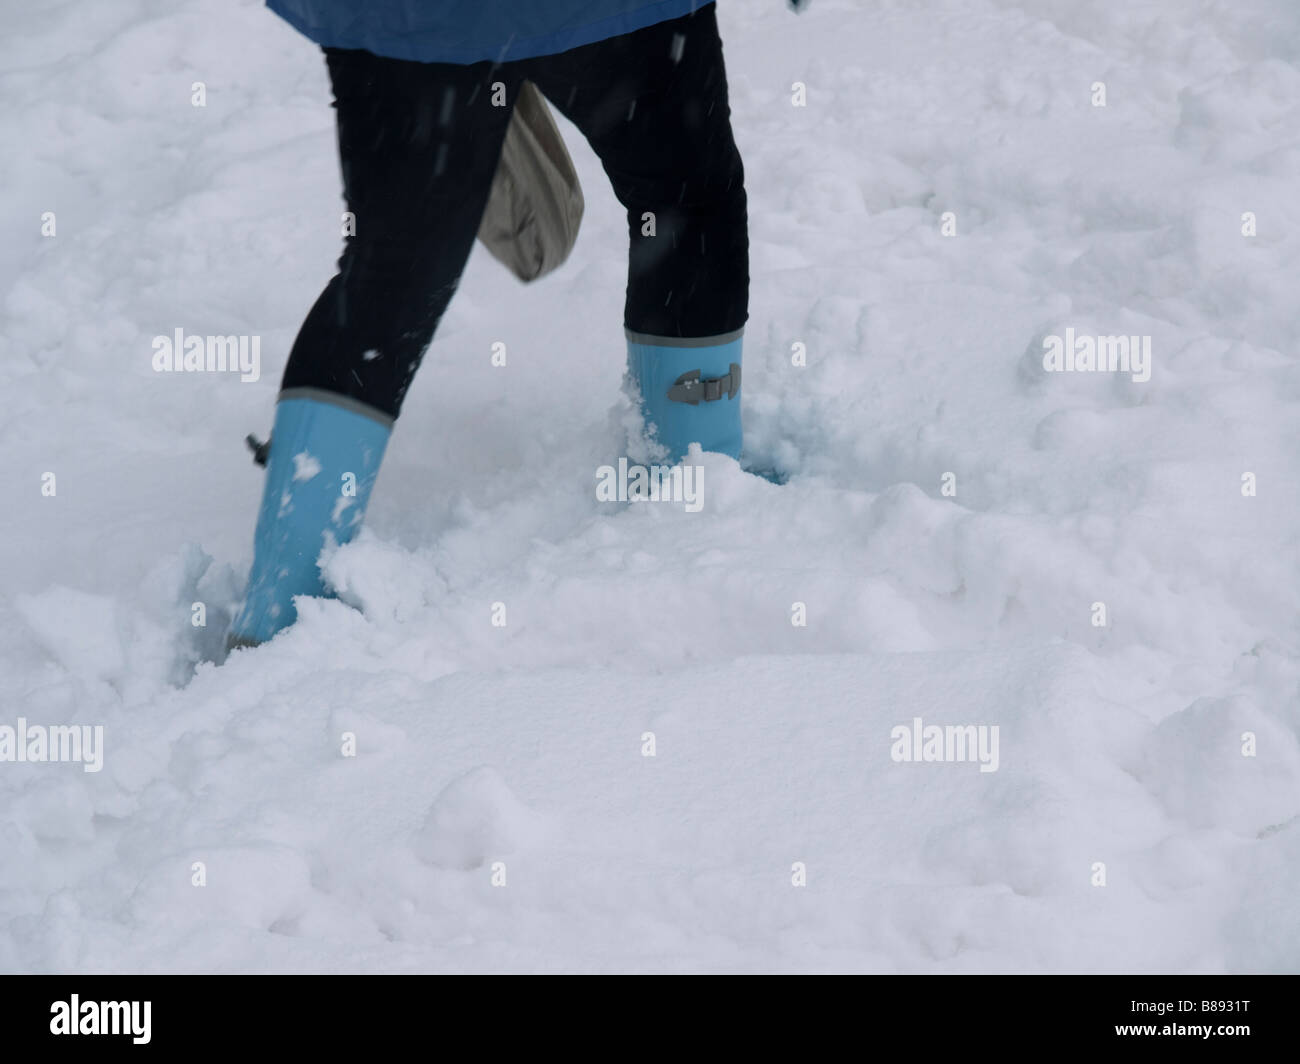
pixel 653 105
pixel 419 144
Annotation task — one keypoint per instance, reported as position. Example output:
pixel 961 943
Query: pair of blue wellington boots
pixel 325 450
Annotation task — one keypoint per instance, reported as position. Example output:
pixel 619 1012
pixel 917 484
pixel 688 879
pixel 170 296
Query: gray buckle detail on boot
pixel 261 451
pixel 688 388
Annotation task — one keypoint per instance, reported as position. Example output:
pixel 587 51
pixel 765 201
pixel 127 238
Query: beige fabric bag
pixel 535 207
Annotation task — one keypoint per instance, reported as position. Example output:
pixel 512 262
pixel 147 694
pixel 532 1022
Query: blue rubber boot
pixel 321 461
pixel 689 390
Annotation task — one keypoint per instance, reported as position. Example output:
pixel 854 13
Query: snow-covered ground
pixel 487 753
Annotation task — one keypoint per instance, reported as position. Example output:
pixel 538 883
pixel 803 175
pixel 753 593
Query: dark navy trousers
pixel 419 144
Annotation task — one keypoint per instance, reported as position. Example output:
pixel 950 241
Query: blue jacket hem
pixel 433 46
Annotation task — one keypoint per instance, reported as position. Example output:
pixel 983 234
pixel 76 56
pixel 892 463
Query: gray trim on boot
pixel 684 341
pixel 355 406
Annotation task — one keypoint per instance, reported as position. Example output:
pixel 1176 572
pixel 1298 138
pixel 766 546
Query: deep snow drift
pixel 500 812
